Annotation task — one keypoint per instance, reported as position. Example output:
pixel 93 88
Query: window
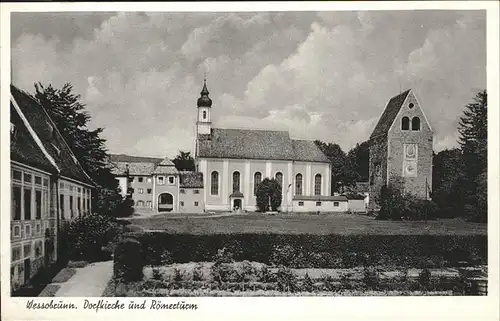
pixel 45 182
pixel 140 203
pixel 336 204
pixel 61 204
pixel 411 105
pixel 38 180
pixel 38 249
pixel 149 180
pixel 38 204
pixel 149 191
pixel 140 190
pixel 78 205
pixel 298 184
pixel 38 229
pixel 130 179
pixel 88 205
pixel 161 180
pixel 415 123
pixel 196 191
pixel 182 191
pixel 405 123
pixel 16 203
pixel 236 182
pixel 204 114
pixel 149 204
pixel 301 203
pixel 279 178
pixel 16 253
pixel 140 179
pixel 27 178
pixel 17 230
pixel 318 203
pixel 257 178
pixel 71 205
pixel 27 250
pixel 170 179
pixel 317 184
pixel 16 175
pixel 27 230
pixel 214 183
pixel 130 191
pixel 182 203
pixel 27 203
pixel 195 203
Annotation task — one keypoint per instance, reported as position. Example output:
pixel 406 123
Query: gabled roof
pixel 133 159
pixel 51 139
pixel 191 180
pixel 389 115
pixel 257 144
pixel 23 147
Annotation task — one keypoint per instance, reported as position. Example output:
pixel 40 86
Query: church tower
pixel 204 123
pixel 401 149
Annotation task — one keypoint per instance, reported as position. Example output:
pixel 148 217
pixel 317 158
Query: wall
pixel 142 200
pixel 188 198
pixel 326 206
pixel 357 205
pixel 28 234
pixel 423 139
pixel 122 184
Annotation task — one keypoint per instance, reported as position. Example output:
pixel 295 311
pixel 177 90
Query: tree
pixel 184 162
pixel 473 140
pixel 342 175
pixel 71 119
pixel 268 194
pixel 358 160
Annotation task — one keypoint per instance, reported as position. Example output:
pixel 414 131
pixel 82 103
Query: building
pixel 401 149
pixel 234 161
pixel 48 186
pixel 155 185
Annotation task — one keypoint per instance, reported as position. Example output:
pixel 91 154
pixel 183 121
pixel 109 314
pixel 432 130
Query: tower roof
pixel 389 114
pixel 204 100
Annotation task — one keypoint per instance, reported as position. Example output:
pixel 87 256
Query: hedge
pixel 314 251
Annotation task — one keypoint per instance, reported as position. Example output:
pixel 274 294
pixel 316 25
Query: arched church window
pixel 279 178
pixel 298 184
pixel 214 183
pixel 317 184
pixel 415 123
pixel 405 123
pixel 236 182
pixel 204 114
pixel 257 178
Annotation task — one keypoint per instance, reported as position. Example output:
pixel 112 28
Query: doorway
pixel 165 202
pixel 237 204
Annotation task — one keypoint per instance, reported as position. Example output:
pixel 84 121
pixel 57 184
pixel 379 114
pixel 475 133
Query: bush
pixel 371 278
pixel 85 237
pixel 125 208
pixel 264 275
pixel 128 260
pixel 424 279
pixel 286 280
pixel 307 284
pixel 268 194
pixel 197 273
pixel 344 251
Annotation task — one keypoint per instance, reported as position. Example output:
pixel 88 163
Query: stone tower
pixel 401 149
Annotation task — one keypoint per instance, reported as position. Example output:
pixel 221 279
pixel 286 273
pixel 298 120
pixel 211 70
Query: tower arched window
pixel 415 123
pixel 257 178
pixel 405 123
pixel 317 184
pixel 236 182
pixel 214 183
pixel 298 184
pixel 204 114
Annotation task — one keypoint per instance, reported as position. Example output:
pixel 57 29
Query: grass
pixel 64 275
pixel 305 224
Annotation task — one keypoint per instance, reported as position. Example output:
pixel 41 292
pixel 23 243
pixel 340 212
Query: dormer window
pixel 405 123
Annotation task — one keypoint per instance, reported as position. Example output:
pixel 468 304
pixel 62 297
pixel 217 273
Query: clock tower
pixel 401 149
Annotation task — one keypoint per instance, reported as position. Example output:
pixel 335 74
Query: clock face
pixel 410 169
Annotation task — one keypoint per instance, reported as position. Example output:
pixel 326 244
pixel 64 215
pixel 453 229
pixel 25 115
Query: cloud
pixel 323 75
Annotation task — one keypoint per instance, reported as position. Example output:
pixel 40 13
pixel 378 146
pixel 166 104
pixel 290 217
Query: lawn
pixel 304 224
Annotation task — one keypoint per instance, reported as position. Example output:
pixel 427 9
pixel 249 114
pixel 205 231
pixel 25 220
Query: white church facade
pixel 234 161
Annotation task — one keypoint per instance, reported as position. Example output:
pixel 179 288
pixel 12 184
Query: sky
pixel 320 75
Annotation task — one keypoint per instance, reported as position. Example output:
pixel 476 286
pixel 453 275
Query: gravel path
pixel 89 281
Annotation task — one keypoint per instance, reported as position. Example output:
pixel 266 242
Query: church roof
pixel 51 140
pixel 204 100
pixel 257 144
pixel 389 114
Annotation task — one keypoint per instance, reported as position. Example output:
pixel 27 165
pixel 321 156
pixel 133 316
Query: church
pixel 234 161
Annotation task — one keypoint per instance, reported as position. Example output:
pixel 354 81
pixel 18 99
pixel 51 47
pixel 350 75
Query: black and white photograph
pixel 327 153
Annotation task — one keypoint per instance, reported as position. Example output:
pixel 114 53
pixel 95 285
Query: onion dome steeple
pixel 204 100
